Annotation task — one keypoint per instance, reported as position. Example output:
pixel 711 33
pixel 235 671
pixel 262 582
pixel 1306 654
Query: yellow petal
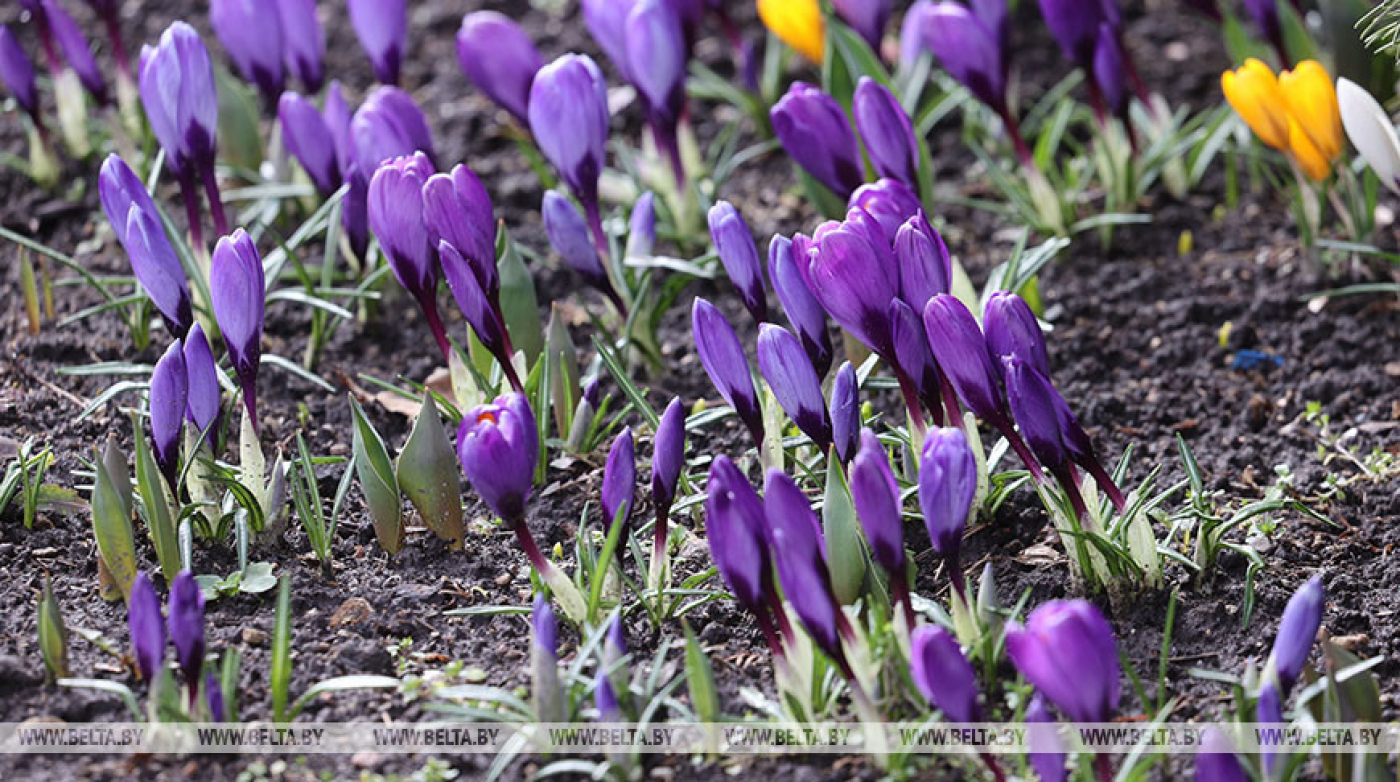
pixel 797 23
pixel 1312 101
pixel 1313 163
pixel 1254 94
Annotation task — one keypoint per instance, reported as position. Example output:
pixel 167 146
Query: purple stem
pixel 216 202
pixel 191 196
pixel 770 635
pixel 1103 768
pixel 911 399
pixel 1018 445
pixel 1013 129
pixel 430 310
pixel 899 590
pixel 659 531
pixel 249 384
pixel 992 766
pixel 114 34
pixel 532 551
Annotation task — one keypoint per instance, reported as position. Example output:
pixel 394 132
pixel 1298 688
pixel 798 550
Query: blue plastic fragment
pixel 1246 360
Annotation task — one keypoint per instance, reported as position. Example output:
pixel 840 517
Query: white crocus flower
pixel 1371 131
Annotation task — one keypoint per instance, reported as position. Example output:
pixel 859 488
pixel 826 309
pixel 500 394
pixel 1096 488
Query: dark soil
pixel 1135 349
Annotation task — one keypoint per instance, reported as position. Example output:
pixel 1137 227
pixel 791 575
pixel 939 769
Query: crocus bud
pixel 797 23
pixel 1075 26
pixel 846 271
pixel 568 114
pixel 251 32
pixel 382 27
pixel 1081 450
pixel 814 130
pixel 177 89
pixel 185 615
pixel 136 222
pixel 667 456
pixel 619 479
pixel 794 383
pixel 1216 760
pixel 303 42
pixel 500 59
pixel 75 48
pixel 457 209
pixel 947 486
pixel 799 550
pixel 1268 710
pixel 912 355
pixel 147 627
pixel 471 300
pixel 925 267
pixel 606 21
pixel 889 201
pixel 739 255
pixel 1297 632
pixel 641 227
pixel 545 628
pixel 498 445
pixel 845 411
pixel 238 291
pixel 568 235
pixel 943 674
pixel 168 396
pixel 1370 130
pixel 309 139
pixel 545 691
pixel 396 216
pixel 1012 330
pixel 886 130
pixel 866 17
pixel 876 496
pixel 214 697
pixel 723 357
pixel 1047 755
pixel 388 125
pixel 656 66
pixel 1062 630
pixel 969 51
pixel 734 524
pixel 605 698
pixel 1031 400
pixel 803 311
pixel 962 354
pixel 18 73
pixel 202 401
pixel 1109 71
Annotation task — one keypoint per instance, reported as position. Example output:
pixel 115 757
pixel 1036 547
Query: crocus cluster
pixel 799 23
pixel 185 624
pixel 267 39
pixel 1296 112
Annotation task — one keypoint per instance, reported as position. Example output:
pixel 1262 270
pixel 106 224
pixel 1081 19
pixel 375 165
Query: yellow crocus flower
pixel 1312 101
pixel 797 23
pixel 1253 92
pixel 1315 164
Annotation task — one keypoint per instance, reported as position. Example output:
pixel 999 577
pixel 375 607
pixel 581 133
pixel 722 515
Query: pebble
pixel 254 637
pixel 366 759
pixel 503 579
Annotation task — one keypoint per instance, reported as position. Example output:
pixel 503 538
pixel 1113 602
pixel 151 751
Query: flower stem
pixel 216 202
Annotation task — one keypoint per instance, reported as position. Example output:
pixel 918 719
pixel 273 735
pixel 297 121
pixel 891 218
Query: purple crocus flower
pixel 498 445
pixel 185 615
pixel 382 27
pixel 1216 760
pixel 739 255
pixel 667 461
pixel 309 139
pixel 912 354
pixel 911 32
pixel 876 497
pixel 1297 632
pixel 1075 26
pixel 619 479
pixel 794 383
pixel 925 267
pixel 1031 400
pixel 204 396
pixel 388 125
pixel 845 411
pixel 1067 650
pixel 177 89
pixel 1109 71
pixel 1047 755
pixel 214 697
pixel 943 674
pixel 303 42
pixel 866 17
pixel 656 63
pixel 606 21
pixel 500 59
pixel 169 395
pixel 471 300
pixel 814 130
pixel 734 524
pixel 799 550
pixel 803 311
pixel 569 236
pixel 251 32
pixel 237 287
pixel 850 271
pixel 568 114
pixel 889 201
pixel 641 226
pixel 887 132
pixel 947 487
pixel 969 50
pixel 723 357
pixel 137 224
pixel 17 72
pixel 1268 710
pixel 457 209
pixel 545 627
pixel 76 50
pixel 605 698
pixel 396 216
pixel 1081 450
pixel 147 627
pixel 1012 330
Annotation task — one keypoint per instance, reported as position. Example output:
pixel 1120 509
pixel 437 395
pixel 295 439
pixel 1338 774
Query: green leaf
pixel 155 507
pixel 53 635
pixel 279 674
pixel 844 544
pixel 115 688
pixel 257 578
pixel 519 305
pixel 111 526
pixel 562 358
pixel 427 472
pixel 228 682
pixel 240 137
pixel 377 482
pixel 700 678
pixel 342 684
